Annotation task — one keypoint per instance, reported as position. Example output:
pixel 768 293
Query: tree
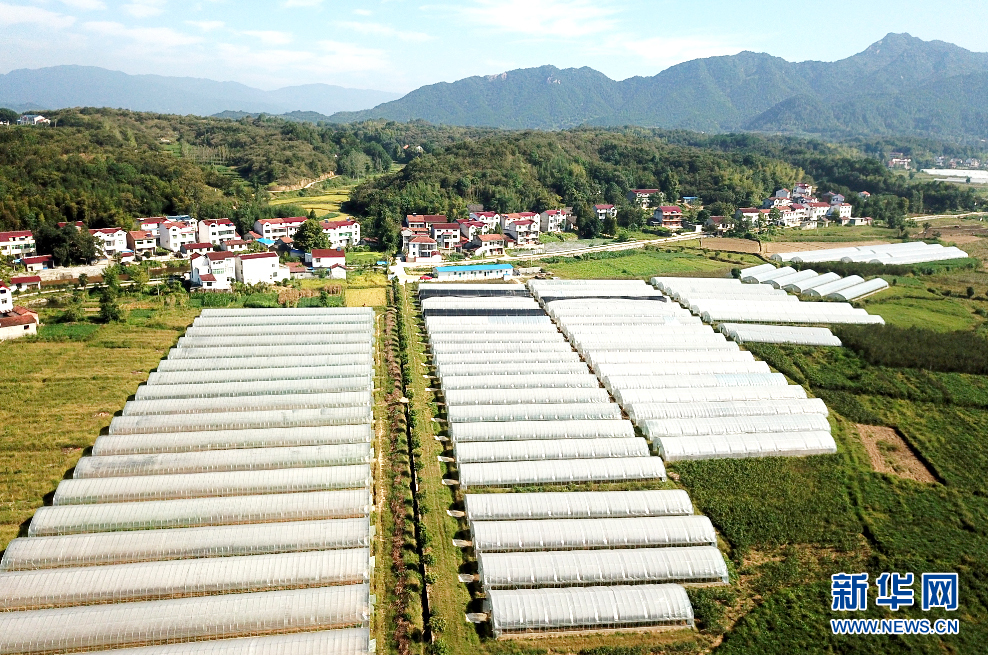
pixel 610 225
pixel 111 280
pixel 74 311
pixel 140 277
pixel 774 217
pixel 83 280
pixel 8 115
pixel 109 310
pixel 970 292
pixel 310 236
pixel 67 245
pixel 631 216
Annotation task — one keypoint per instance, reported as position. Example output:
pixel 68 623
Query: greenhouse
pixel 674 357
pixel 584 568
pixel 755 270
pixel 591 608
pixel 611 364
pixel 690 380
pixel 98 549
pixel 464 323
pixel 735 425
pixel 275 354
pixel 533 430
pixel 202 485
pixel 275 340
pixel 534 412
pixel 641 412
pixel 285 319
pixel 686 395
pixel 577 505
pixel 503 346
pixel 782 444
pixel 119 583
pixel 592 534
pixel 528 333
pixel 479 311
pixel 510 474
pixel 766 276
pixel 240 420
pixel 523 358
pixel 254 388
pixel 462 302
pixel 151 622
pixel 433 289
pixel 807 312
pixel 247 404
pixel 803 336
pixel 325 313
pixel 860 290
pixel 254 459
pixel 251 331
pixel 812 283
pixel 347 368
pixel 824 290
pixel 542 381
pixel 200 512
pixel 473 397
pixel 187 442
pixel 348 641
pixel 794 278
pixel 701 343
pixel 511 369
pixel 549 449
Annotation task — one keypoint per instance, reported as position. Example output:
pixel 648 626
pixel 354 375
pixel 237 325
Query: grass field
pixel 649 262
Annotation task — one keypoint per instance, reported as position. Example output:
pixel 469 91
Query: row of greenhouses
pixel 755 333
pixel 523 410
pixel 228 508
pixel 915 252
pixel 786 279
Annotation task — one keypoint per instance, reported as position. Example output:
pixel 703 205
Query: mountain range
pixel 87 86
pixel 899 85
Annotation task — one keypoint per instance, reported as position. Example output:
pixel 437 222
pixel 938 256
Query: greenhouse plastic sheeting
pixel 532 430
pixel 348 641
pixel 709 394
pixel 116 583
pixel 766 276
pixel 441 324
pixel 806 285
pixel 699 345
pixel 592 534
pixel 577 505
pixel 184 543
pixel 543 412
pixel 506 474
pixel 328 354
pixel 859 290
pixel 302 371
pixel 511 369
pixel 187 442
pixel 803 336
pixel 735 425
pixel 641 412
pixel 473 333
pixel 150 622
pixel 254 388
pixel 479 360
pixel 329 312
pixel 673 357
pixel 591 608
pixel 784 444
pixel 549 449
pixel 712 365
pixel 689 380
pixel 461 302
pixel 755 270
pixel 475 397
pixel 581 380
pixel 284 319
pixel 287 418
pixel 199 512
pixel 202 485
pixel 297 340
pixel 583 568
pixel 251 331
pixel 243 459
pixel 794 278
pixel 823 290
pixel 247 404
pixel 559 345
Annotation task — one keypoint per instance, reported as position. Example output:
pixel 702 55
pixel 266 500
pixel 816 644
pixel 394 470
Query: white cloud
pixel 270 37
pixel 207 25
pixel 301 3
pixel 19 15
pixel 85 5
pixel 161 37
pixel 363 12
pixel 376 29
pixel 330 56
pixel 145 8
pixel 547 18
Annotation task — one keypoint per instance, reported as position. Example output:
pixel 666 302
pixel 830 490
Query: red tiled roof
pixel 140 234
pixel 77 224
pixel 422 240
pixel 40 259
pixel 446 226
pixel 106 230
pixel 217 256
pixel 643 191
pixel 491 237
pixel 334 225
pixel 328 253
pixel 603 206
pixel 15 321
pixel 27 279
pixel 217 221
pixel 24 311
pixel 484 214
pixel 260 255
pixel 207 278
pixel 197 246
pixel 528 214
pixel 528 222
pixel 669 209
pixel 17 234
pixel 235 242
pixel 149 221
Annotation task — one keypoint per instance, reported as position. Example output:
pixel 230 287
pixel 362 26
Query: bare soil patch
pixel 773 247
pixel 730 245
pixel 890 454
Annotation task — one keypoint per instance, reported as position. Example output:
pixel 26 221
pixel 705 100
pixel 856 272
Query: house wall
pixel 18 331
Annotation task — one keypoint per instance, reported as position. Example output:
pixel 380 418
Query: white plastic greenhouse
pixel 284 318
pixel 577 505
pixel 629 397
pixel 503 347
pixel 641 412
pixel 529 335
pixel 907 253
pixel 247 404
pixel 240 420
pixel 151 622
pixel 783 444
pixel 919 258
pixel 508 474
pixel 590 608
pixel 472 397
pixel 812 283
pixel 275 354
pixel 700 343
pixel 824 290
pixel 806 312
pixel 116 583
pixel 255 459
pixel 187 442
pixel 463 371
pixel 534 430
pixel 202 485
pixel 253 388
pixel 755 270
pixel 486 323
pixel 689 380
pixel 794 278
pixel 735 425
pixel 766 276
pixel 534 412
pixel 251 331
pixel 549 449
pixel 327 313
pixel 804 336
pixel 198 512
pixel 583 568
pixel 256 365
pixel 184 543
pixel 479 360
pixel 673 357
pixel 348 641
pixel 193 376
pixel 540 381
pixel 296 340
pixel 610 365
pixel 592 534
pixel 859 290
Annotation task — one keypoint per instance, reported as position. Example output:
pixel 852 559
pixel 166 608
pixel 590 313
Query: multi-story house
pixel 422 247
pixel 553 220
pixel 447 236
pixel 419 221
pixel 261 267
pixel 141 242
pixel 276 228
pixel 817 210
pixel 669 217
pixel 842 210
pixel 175 234
pixel 525 233
pixel 17 244
pixel 833 198
pixel 214 270
pixel 193 249
pixel 803 190
pixel 751 215
pixel 488 245
pixel 605 211
pixel 152 225
pixel 341 234
pixel 468 229
pixel 217 230
pixel 490 219
pixel 110 241
pixel 642 197
pixel 235 245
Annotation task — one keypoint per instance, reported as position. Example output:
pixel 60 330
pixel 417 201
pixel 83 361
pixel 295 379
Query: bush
pixel 261 301
pixel 895 347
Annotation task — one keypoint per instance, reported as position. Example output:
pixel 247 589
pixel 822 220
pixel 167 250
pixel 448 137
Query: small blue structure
pixel 477 272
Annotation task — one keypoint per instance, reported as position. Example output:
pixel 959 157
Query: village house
pixel 817 210
pixel 192 249
pixel 525 233
pixel 217 230
pixel 341 234
pixel 16 322
pixel 78 225
pixel 488 245
pixel 489 219
pixel 783 193
pixel 172 235
pixel 409 233
pixel 864 195
pixel 833 198
pixel 234 245
pixel 776 203
pixel 469 229
pixel 803 190
pixel 476 272
pixel 447 236
pixel 260 267
pixel 25 283
pixel 110 241
pixel 751 215
pixel 38 263
pixel 217 268
pixel 856 222
pixel 333 261
pixel 553 220
pixel 642 197
pixel 152 225
pixel 718 224
pixel 6 298
pixel 17 244
pixel 275 228
pixel 605 211
pixel 422 247
pixel 141 242
pixel 669 217
pixel 33 119
pixel 842 210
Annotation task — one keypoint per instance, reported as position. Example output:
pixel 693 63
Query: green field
pixel 649 262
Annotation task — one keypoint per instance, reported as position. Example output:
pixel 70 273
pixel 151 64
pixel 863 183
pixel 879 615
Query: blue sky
pixel 399 45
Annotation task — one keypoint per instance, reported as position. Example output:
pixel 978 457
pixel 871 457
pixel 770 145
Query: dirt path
pixel 891 455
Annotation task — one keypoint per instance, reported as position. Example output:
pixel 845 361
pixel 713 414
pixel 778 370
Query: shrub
pixel 895 347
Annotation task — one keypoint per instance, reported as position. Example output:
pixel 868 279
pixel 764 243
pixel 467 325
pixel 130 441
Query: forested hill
pixel 900 85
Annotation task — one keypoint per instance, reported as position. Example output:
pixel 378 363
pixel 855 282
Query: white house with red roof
pixel 152 225
pixel 409 233
pixel 221 267
pixel 172 235
pixel 235 245
pixel 447 236
pixel 469 228
pixel 817 210
pixel 488 245
pixel 216 231
pixel 261 267
pixel 15 322
pixel 508 219
pixel 25 283
pixel 424 220
pixel 341 234
pixel 110 240
pixel 196 248
pixel 6 298
pixel 605 211
pixel 333 261
pixel 669 217
pixel 525 232
pixel 803 190
pixel 553 220
pixel 38 263
pixel 490 219
pixel 423 248
pixel 275 228
pixel 141 242
pixel 19 243
pixel 751 215
pixel 842 210
pixel 642 197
